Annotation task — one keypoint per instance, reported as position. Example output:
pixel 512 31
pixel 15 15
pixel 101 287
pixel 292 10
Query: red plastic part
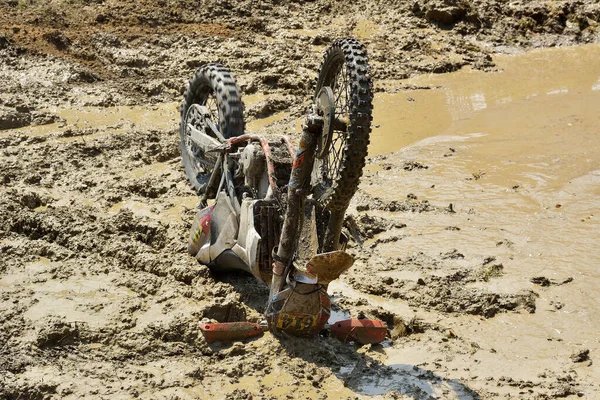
pixel 230 331
pixel 363 331
pixel 303 324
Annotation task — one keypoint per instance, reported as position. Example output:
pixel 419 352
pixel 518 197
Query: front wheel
pixel 337 171
pixel 211 101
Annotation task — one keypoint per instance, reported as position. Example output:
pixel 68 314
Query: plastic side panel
pixel 252 241
pixel 248 239
pixel 224 226
pixel 228 260
pixel 250 253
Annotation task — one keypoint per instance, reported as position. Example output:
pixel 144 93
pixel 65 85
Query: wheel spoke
pixel 211 105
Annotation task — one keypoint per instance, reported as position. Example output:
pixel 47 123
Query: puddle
pixel 403 118
pixel 336 313
pixel 253 99
pixel 507 99
pixel 162 116
pixel 306 32
pixel 407 379
pixel 139 208
pixel 108 120
pixel 524 177
pixel 258 124
pixel 33 268
pixel 261 123
pixel 151 170
pixel 403 275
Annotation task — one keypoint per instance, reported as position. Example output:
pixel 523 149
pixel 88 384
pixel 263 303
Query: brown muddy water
pixel 103 121
pixel 517 153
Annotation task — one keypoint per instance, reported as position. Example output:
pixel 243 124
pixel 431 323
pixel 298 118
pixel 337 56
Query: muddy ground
pixel 98 297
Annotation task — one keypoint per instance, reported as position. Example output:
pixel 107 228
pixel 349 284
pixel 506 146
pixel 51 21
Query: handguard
pixel 230 331
pixel 363 331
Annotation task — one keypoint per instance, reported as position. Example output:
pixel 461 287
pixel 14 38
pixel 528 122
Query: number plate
pixel 296 322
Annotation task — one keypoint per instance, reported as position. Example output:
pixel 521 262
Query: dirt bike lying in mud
pixel 274 212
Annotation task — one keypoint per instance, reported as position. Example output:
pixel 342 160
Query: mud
pixel 474 227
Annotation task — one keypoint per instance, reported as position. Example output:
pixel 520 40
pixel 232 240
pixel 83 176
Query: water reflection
pixel 406 117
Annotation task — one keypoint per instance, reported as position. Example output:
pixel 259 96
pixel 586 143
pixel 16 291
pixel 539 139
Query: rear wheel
pixel 212 94
pixel 338 169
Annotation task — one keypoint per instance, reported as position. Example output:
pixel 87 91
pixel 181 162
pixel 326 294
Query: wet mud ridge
pixel 99 298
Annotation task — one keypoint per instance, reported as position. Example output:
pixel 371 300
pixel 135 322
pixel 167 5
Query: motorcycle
pixel 272 211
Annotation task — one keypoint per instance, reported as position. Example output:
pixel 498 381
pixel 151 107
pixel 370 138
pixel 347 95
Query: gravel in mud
pixel 98 296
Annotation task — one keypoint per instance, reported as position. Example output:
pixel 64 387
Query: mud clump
pixel 269 107
pixel 225 311
pixel 147 232
pixel 581 356
pixel 5 41
pixel 446 12
pixel 541 280
pixel 449 293
pixel 545 282
pixel 57 332
pixel 366 202
pixel 58 39
pixel 11 118
pixel 365 226
pixel 414 165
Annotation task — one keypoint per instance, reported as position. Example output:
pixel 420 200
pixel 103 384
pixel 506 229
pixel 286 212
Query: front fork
pixel 298 189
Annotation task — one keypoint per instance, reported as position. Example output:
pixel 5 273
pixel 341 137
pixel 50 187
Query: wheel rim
pixel 327 170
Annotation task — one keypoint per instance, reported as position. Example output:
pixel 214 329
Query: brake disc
pixel 326 109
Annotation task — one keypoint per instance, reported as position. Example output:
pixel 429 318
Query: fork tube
pixel 298 188
pixel 216 174
pixel 331 241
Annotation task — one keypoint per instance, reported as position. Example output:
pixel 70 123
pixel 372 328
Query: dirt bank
pixel 480 256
